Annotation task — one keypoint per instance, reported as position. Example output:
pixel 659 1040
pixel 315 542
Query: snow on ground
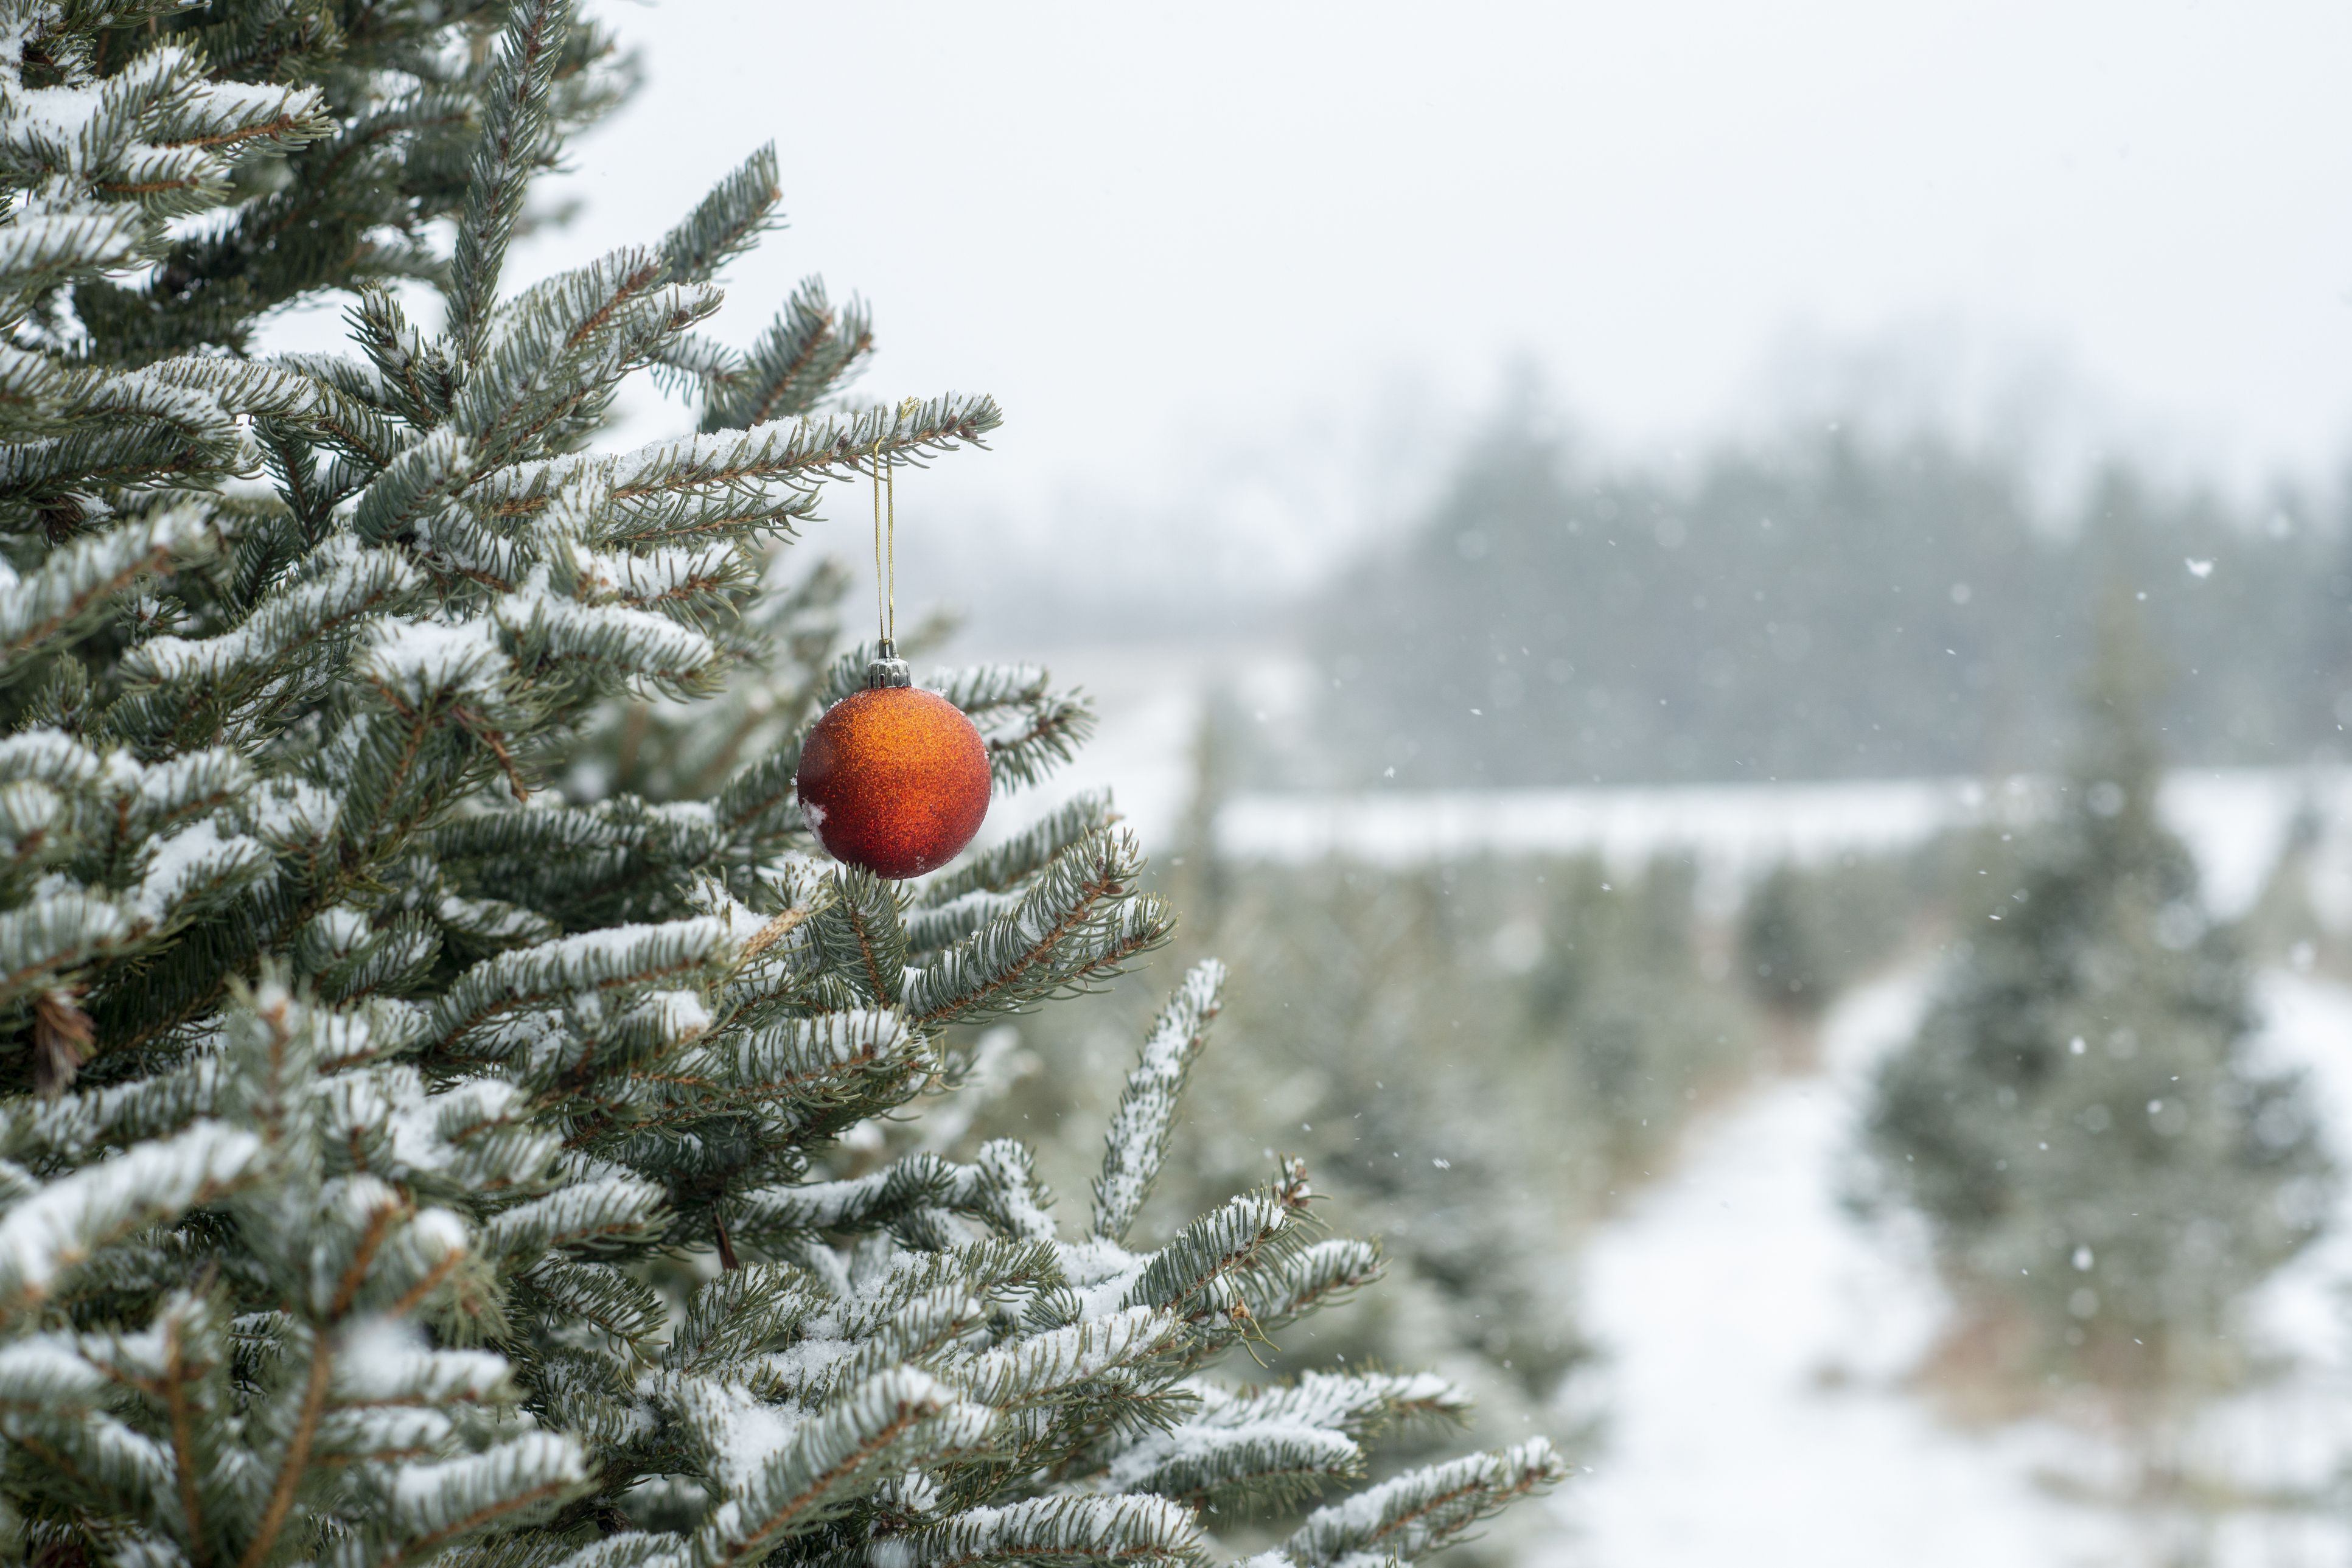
pixel 1758 1338
pixel 2236 820
pixel 2297 1431
pixel 1149 696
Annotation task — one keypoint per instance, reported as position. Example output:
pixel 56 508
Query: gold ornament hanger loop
pixel 888 668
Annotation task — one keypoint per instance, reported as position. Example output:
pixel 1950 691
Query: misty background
pixel 1247 278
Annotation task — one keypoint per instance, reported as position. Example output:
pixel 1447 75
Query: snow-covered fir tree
pixel 430 1130
pixel 2082 1119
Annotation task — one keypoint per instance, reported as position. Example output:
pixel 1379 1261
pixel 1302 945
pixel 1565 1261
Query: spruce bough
pixel 412 1150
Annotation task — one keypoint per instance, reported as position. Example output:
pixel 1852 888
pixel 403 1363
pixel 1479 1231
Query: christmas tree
pixel 1808 931
pixel 2104 1164
pixel 446 1118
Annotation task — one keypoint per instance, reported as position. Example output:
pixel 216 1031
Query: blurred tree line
pixel 1834 605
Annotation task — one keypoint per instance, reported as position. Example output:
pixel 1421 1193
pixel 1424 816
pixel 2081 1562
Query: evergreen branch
pixel 1137 1139
pixel 804 356
pixel 413 487
pixel 556 353
pixel 310 393
pixel 416 375
pixel 1195 1275
pixel 77 583
pixel 41 248
pixel 514 140
pixel 293 1460
pixel 1264 1463
pixel 129 433
pixel 45 1239
pixel 1049 1366
pixel 1410 1515
pixel 1275 1442
pixel 1020 857
pixel 638 1549
pixel 623 957
pixel 649 482
pixel 590 1214
pixel 176 1381
pixel 794 1068
pixel 324 602
pixel 444 1502
pixel 43 939
pixel 999 1187
pixel 1316 1276
pixel 861 932
pixel 899 1418
pixel 728 1318
pixel 920 1181
pixel 921 1330
pixel 724 224
pixel 1077 924
pixel 1060 1529
pixel 758 804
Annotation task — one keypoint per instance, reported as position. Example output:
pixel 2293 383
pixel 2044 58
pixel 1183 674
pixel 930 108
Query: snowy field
pixel 1759 1339
pixel 1149 699
pixel 2236 820
pixel 1759 1342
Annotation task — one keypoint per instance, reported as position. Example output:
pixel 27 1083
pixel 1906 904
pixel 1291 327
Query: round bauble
pixel 894 779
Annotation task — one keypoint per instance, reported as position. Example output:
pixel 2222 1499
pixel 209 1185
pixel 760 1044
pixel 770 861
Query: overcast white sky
pixel 1219 260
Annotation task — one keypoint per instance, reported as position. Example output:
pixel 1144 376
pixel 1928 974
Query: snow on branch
pixel 337 589
pixel 80 583
pixel 619 958
pixel 1268 1462
pixel 1195 1274
pixel 45 1239
pixel 1319 1274
pixel 1137 1140
pixel 434 1505
pixel 554 353
pixel 728 1318
pixel 587 1214
pixel 413 487
pixel 1082 1529
pixel 895 1420
pixel 1031 729
pixel 63 929
pixel 1405 1518
pixel 1079 924
pixel 1043 1366
pixel 1277 1441
pixel 793 1069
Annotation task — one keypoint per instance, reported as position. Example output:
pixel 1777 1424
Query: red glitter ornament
pixel 894 778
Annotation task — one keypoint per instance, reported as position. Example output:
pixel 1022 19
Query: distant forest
pixel 1833 607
